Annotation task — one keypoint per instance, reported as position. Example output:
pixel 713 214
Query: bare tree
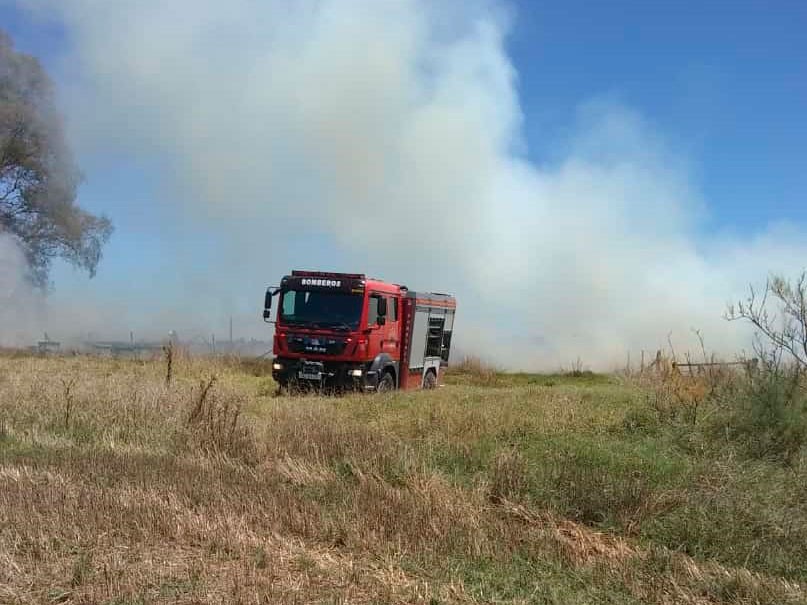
pixel 38 177
pixel 779 314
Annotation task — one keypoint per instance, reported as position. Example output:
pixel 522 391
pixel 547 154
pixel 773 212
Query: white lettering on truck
pixel 322 283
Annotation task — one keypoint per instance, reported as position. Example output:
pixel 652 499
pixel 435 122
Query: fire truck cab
pixel 347 331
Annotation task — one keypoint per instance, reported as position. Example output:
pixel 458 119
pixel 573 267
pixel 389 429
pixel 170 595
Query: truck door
pixel 391 343
pixel 384 338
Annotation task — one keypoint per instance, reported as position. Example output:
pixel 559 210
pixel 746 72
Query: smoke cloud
pixel 20 305
pixel 388 138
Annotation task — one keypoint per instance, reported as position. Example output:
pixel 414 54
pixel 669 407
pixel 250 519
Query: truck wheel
pixel 430 380
pixel 386 383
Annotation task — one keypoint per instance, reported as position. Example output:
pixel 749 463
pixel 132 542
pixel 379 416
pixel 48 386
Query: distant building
pixel 47 346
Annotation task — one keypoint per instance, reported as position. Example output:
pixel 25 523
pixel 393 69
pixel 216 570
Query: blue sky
pixel 722 84
pixel 724 81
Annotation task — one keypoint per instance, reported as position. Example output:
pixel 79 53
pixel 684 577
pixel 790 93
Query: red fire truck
pixel 348 331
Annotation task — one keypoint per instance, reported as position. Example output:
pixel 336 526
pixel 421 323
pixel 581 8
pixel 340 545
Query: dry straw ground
pixel 116 487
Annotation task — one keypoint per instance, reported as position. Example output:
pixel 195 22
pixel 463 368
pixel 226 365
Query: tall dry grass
pixel 118 487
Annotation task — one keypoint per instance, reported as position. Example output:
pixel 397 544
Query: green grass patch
pixel 534 580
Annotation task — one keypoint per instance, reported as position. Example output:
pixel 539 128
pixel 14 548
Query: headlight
pixel 277 366
pixel 355 373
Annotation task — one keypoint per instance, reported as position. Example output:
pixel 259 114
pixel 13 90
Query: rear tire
pixel 386 383
pixel 430 380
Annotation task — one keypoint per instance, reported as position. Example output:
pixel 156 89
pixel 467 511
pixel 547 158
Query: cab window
pixel 372 309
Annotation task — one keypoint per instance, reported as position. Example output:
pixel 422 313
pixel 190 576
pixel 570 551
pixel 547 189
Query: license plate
pixel 310 375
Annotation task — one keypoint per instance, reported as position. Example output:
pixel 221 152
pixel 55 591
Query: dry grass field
pixel 118 488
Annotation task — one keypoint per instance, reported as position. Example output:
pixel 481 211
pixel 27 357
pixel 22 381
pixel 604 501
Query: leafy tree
pixel 38 177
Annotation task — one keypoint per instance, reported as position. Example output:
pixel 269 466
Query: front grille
pixel 316 345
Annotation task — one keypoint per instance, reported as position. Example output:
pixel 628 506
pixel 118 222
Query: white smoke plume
pixel 21 306
pixel 390 134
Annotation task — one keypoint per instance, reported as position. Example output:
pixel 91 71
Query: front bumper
pixel 323 374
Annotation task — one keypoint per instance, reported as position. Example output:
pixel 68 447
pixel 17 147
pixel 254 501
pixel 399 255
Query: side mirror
pixel 267 303
pixel 382 307
pixel 381 320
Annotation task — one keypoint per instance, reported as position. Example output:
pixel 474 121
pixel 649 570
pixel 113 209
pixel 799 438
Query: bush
pixel 769 420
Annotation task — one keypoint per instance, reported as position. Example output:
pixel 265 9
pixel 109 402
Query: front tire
pixel 386 383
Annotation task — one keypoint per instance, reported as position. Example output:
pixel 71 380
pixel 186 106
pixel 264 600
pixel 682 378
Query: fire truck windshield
pixel 321 309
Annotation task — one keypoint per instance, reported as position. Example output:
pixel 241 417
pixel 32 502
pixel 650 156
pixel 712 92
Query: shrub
pixel 769 420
